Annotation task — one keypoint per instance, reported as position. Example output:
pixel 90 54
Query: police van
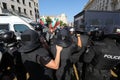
pixel 14 23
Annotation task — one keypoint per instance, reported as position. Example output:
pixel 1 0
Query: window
pixel 13 7
pixel 4 5
pixel 19 9
pixel 20 27
pixel 30 12
pixel 106 7
pixel 34 3
pixel 25 11
pixel 4 26
pixel 18 1
pixel 35 9
pixel 38 16
pixel 30 4
pixel 23 2
pixel 107 2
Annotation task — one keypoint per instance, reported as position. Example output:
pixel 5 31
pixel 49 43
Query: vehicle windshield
pixel 4 26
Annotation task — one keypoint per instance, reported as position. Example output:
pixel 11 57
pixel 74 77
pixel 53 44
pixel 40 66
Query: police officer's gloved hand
pixel 78 35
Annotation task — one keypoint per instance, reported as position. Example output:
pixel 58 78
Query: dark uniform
pixel 100 58
pixel 79 57
pixel 116 69
pixel 65 70
pixel 10 63
pixel 34 56
pixel 84 39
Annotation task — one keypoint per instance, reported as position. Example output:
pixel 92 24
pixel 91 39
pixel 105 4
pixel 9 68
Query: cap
pixel 30 41
pixel 63 38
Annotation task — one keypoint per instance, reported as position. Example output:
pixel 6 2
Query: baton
pixel 76 72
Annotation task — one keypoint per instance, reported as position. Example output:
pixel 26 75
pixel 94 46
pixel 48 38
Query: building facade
pixel 26 8
pixel 103 5
pixel 98 13
pixel 61 17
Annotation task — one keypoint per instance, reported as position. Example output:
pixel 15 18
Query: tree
pixel 64 24
pixel 48 20
pixel 61 23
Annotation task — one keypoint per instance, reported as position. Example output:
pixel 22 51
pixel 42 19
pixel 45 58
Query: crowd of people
pixel 65 53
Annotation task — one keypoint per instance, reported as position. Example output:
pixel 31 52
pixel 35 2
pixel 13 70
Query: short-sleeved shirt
pixel 64 72
pixel 40 56
pixel 34 62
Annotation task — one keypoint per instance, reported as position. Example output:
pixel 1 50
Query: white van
pixel 14 23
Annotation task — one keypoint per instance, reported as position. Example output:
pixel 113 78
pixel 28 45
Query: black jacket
pixel 100 58
pixel 64 72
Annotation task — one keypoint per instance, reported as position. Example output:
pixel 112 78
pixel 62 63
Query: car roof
pixel 11 19
pixel 4 19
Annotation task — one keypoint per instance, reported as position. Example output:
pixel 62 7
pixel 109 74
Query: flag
pixel 51 29
pixel 56 24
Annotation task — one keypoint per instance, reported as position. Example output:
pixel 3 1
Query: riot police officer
pixel 10 64
pixel 64 39
pixel 78 58
pixel 36 59
pixel 101 56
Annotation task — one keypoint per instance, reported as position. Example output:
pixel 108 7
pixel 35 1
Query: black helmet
pixel 63 38
pixel 29 40
pixel 97 34
pixel 37 26
pixel 7 36
pixel 115 34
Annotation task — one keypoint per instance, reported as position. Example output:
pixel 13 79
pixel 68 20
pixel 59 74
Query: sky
pixel 57 7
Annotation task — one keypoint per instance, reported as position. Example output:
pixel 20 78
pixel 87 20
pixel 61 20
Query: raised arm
pixel 54 64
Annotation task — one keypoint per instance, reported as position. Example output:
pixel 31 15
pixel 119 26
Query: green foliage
pixel 48 20
pixel 62 23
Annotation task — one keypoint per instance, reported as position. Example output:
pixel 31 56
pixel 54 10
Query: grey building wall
pixel 103 5
pixel 27 8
